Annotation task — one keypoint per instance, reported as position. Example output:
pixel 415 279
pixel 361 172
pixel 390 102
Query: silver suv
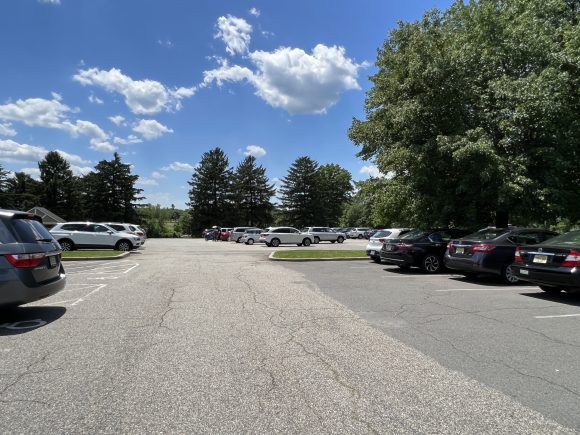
pixel 73 235
pixel 238 232
pixel 324 234
pixel 30 260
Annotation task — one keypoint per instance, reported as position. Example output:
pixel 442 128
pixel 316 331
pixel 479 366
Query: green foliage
pixel 22 192
pixel 157 221
pixel 252 193
pixel 477 110
pixel 56 177
pixel 336 188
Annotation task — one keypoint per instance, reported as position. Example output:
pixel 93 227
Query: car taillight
pixel 382 240
pixel 140 233
pixel 25 261
pixel 572 260
pixel 404 245
pixel 482 247
pixel 449 245
pixel 264 234
pixel 518 256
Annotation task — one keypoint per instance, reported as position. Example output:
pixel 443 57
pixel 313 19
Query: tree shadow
pixel 20 320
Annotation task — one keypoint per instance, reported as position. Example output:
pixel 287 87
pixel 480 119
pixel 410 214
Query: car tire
pixel 306 242
pixel 316 240
pixel 377 259
pixel 431 263
pixel 239 239
pixel 123 245
pixel 340 239
pixel 508 275
pixel 333 241
pixel 250 242
pixel 66 245
pixel 360 236
pixel 275 243
pixel 551 290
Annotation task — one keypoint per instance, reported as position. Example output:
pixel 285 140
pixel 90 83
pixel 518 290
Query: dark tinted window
pixel 97 228
pixel 440 236
pixel 413 235
pixel 281 230
pixel 486 234
pixel 23 231
pixel 118 227
pixel 73 227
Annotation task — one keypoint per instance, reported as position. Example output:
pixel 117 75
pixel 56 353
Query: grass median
pixel 310 253
pixel 92 254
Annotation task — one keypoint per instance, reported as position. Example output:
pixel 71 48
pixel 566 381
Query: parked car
pixel 381 236
pixel 30 260
pixel 491 250
pixel 74 235
pixel 251 236
pixel 238 232
pixel 369 233
pixel 420 248
pixel 554 265
pixel 128 228
pixel 276 236
pixel 346 231
pixel 357 233
pixel 324 234
pixel 225 234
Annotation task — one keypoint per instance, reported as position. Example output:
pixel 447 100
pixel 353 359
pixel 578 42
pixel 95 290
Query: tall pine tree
pixel 252 193
pixel 336 188
pixel 301 194
pixel 56 177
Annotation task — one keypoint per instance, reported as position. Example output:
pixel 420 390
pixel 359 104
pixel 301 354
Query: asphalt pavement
pixel 188 336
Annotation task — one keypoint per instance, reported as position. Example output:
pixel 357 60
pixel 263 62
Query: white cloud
pixel 150 129
pixel 50 2
pixel 294 80
pixel 255 150
pixel 72 158
pixel 372 171
pixel 7 130
pixel 99 140
pixel 94 99
pixel 147 181
pixel 235 33
pixel 131 139
pixel 142 96
pixel 81 170
pixel 255 12
pixel 157 174
pixel 36 112
pixel 33 172
pixel 165 43
pixel 12 151
pixel 118 120
pixel 178 166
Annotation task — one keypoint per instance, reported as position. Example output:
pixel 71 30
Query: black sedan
pixel 420 248
pixel 553 265
pixel 492 250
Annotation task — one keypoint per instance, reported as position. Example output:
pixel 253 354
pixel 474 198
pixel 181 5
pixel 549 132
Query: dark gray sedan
pixel 30 260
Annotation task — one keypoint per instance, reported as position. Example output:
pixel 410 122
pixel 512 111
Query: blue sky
pixel 163 81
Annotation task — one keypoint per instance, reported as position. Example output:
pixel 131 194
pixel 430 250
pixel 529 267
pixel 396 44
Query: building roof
pixel 47 216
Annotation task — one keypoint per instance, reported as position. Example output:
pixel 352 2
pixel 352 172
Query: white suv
pixel 357 233
pixel 251 236
pixel 72 235
pixel 275 236
pixel 324 234
pixel 238 232
pixel 128 228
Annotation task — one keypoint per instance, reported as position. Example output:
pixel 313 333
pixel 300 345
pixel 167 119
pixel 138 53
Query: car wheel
pixel 377 259
pixel 509 276
pixel 551 290
pixel 306 242
pixel 250 241
pixel 431 264
pixel 360 236
pixel 123 245
pixel 316 240
pixel 275 243
pixel 340 239
pixel 239 240
pixel 66 245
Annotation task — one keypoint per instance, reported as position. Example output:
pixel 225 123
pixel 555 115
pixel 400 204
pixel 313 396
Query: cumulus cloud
pixel 157 174
pixel 235 33
pixel 118 120
pixel 81 170
pixel 33 172
pixel 255 150
pixel 99 140
pixel 147 182
pixel 94 99
pixel 150 129
pixel 292 79
pixel 141 96
pixel 178 166
pixel 12 151
pixel 7 130
pixel 72 158
pixel 131 139
pixel 255 12
pixel 372 171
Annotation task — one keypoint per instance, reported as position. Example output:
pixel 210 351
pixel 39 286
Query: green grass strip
pixel 104 253
pixel 311 253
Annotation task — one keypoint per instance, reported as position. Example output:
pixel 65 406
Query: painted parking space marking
pixel 86 291
pixel 557 316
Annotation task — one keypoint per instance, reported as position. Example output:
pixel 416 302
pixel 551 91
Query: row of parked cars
pixel 93 235
pixel 276 236
pixel 540 256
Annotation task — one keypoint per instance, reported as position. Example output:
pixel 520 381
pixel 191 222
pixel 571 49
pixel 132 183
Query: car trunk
pixel 36 263
pixel 545 256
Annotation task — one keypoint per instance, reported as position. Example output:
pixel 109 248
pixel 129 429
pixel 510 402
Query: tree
pixel 301 194
pixel 56 177
pixel 252 193
pixel 4 198
pixel 23 192
pixel 110 192
pixel 336 187
pixel 476 112
pixel 210 194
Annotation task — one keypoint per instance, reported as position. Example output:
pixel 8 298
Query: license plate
pixel 373 252
pixel 460 250
pixel 52 261
pixel 524 272
pixel 542 259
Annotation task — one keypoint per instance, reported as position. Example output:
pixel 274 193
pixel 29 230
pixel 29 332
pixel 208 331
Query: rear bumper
pixel 475 264
pixel 556 277
pixel 14 292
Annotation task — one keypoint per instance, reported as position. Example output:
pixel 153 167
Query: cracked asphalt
pixel 188 336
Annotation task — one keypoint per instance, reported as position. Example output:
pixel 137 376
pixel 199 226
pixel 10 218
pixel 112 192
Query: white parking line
pixel 558 316
pixel 483 289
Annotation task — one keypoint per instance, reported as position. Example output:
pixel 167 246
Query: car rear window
pixel 23 231
pixel 565 240
pixel 486 234
pixel 118 227
pixel 381 234
pixel 415 234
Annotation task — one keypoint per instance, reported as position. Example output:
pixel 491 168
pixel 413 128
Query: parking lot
pixel 194 336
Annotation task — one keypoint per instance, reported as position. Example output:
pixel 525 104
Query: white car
pixel 376 241
pixel 276 236
pixel 324 234
pixel 128 228
pixel 251 236
pixel 73 235
pixel 357 233
pixel 238 232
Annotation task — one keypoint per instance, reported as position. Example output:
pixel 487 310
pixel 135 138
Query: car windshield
pixel 565 240
pixel 486 234
pixel 381 234
pixel 415 234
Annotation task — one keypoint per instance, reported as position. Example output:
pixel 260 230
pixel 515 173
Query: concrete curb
pixel 271 257
pixel 113 257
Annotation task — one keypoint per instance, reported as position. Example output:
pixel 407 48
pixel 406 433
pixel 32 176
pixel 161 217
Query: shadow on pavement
pixel 20 320
pixel 562 298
